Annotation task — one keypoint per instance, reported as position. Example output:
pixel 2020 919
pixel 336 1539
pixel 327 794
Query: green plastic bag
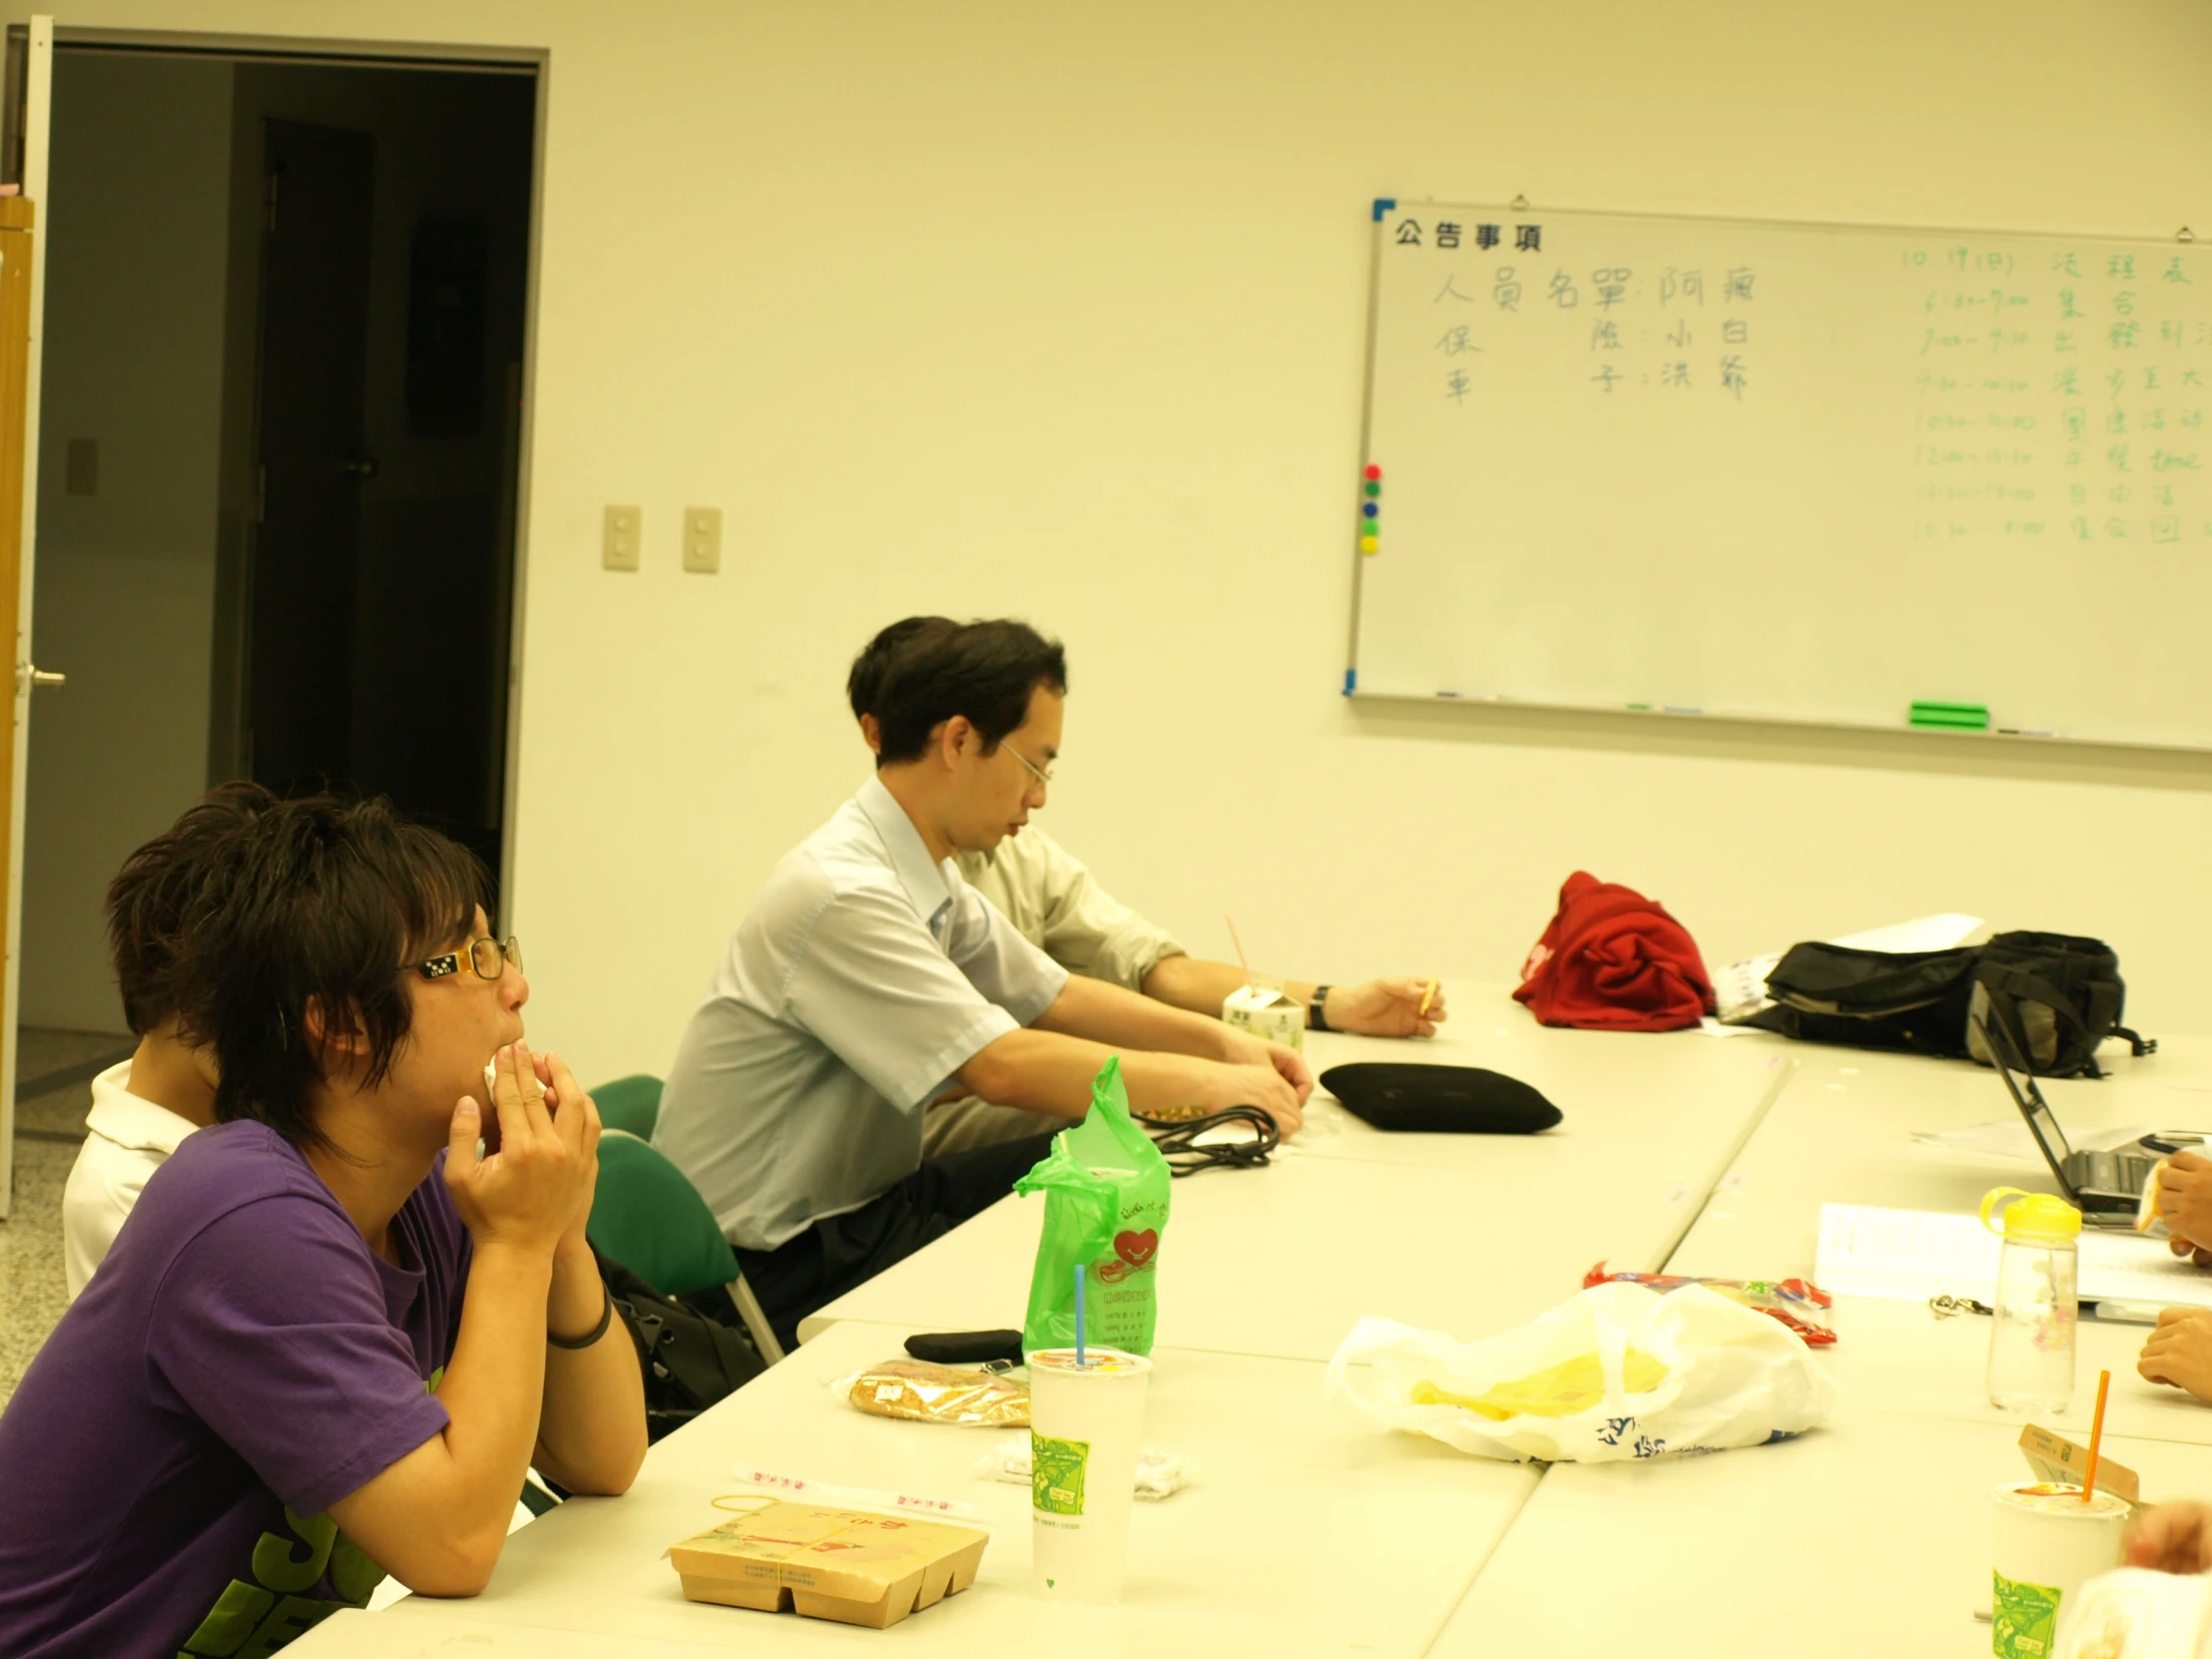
pixel 1105 1188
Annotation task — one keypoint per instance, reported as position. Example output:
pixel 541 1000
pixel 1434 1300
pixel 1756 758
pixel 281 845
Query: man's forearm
pixel 1121 1019
pixel 1202 987
pixel 1052 1074
pixel 590 1432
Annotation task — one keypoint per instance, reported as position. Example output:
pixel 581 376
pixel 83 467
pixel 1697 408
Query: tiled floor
pixel 49 1126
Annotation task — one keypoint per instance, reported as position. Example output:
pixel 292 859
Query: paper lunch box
pixel 823 1563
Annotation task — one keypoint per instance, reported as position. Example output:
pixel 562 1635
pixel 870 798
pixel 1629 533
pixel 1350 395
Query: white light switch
pixel 703 539
pixel 619 549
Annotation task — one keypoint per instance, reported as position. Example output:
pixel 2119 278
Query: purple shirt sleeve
pixel 274 1329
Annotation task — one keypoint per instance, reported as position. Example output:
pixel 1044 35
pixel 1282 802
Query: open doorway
pixel 281 437
pixel 278 453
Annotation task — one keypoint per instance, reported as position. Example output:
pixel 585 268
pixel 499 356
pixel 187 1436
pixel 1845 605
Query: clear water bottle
pixel 2031 1336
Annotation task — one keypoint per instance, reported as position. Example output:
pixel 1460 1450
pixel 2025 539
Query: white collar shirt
pixel 1058 906
pixel 864 976
pixel 126 1138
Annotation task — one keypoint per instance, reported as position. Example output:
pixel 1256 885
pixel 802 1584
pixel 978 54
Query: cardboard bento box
pixel 823 1563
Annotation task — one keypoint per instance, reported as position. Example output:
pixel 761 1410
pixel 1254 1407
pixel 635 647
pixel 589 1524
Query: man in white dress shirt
pixel 144 1107
pixel 1055 903
pixel 870 979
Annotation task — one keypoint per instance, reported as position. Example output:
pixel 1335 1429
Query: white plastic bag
pixel 1617 1373
pixel 2133 1613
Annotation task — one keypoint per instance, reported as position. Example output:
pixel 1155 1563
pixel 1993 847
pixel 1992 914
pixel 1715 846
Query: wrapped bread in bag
pixel 1105 1206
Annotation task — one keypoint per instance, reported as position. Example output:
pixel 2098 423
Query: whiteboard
pixel 1788 471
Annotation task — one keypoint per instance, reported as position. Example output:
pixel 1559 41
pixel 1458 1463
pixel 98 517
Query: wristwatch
pixel 1316 1017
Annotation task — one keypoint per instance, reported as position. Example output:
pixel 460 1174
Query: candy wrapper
pixel 1802 1308
pixel 923 1392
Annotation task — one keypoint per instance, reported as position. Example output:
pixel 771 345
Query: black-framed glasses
pixel 487 956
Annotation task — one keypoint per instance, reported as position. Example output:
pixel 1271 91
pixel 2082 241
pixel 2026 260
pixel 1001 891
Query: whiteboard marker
pixel 1670 709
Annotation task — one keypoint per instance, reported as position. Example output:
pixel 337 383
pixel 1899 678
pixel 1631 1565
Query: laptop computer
pixel 2103 1186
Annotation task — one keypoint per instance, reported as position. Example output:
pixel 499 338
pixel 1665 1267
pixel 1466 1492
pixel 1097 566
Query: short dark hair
pixel 327 899
pixel 985 671
pixel 865 684
pixel 162 887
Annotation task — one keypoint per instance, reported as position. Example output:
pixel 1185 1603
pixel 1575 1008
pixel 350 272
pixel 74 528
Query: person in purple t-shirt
pixel 314 1355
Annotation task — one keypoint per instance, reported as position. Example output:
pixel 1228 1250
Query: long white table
pixel 1467 1232
pixel 1870 1535
pixel 1655 1105
pixel 1313 1534
pixel 1873 1531
pixel 1842 1134
pixel 429 1634
pixel 1304 1533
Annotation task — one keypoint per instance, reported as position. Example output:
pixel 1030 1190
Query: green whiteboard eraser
pixel 1953 717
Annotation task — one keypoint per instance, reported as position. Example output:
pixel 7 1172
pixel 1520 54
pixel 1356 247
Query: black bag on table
pixel 691 1360
pixel 1915 1000
pixel 2054 997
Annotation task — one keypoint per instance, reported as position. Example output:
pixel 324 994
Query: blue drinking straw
pixel 1080 1362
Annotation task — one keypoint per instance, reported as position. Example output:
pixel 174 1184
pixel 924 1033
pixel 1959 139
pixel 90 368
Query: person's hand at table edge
pixel 2185 1199
pixel 2171 1538
pixel 2179 1350
pixel 1386 1008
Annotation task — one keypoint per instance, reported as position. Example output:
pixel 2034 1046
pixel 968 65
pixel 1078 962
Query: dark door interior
pixel 387 388
pixel 314 358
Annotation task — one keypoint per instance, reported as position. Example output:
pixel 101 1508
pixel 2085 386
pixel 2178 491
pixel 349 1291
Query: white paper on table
pixel 1740 988
pixel 1714 1028
pixel 2009 1141
pixel 1910 1255
pixel 1921 933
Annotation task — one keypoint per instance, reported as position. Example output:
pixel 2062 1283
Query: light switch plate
pixel 703 540
pixel 623 534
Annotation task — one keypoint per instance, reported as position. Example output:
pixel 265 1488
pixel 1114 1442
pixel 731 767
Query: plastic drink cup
pixel 1086 1425
pixel 2047 1543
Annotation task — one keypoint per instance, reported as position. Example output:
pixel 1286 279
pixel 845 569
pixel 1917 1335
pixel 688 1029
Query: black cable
pixel 1175 1138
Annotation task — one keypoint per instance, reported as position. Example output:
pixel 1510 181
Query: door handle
pixel 42 677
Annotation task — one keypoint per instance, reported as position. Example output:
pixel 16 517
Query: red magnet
pixel 1373 471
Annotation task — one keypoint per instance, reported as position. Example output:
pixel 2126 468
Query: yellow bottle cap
pixel 2037 1216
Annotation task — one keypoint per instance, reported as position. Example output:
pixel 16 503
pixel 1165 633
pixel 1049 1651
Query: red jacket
pixel 1614 961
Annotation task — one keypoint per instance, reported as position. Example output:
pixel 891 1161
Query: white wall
pixel 125 579
pixel 1058 311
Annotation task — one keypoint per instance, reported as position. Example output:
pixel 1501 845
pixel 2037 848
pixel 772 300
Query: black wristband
pixel 606 1320
pixel 1315 1019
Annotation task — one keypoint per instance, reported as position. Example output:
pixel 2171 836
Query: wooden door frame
pixel 22 336
pixel 18 497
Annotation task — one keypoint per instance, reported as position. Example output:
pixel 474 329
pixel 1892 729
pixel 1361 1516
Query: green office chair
pixel 653 1221
pixel 630 1103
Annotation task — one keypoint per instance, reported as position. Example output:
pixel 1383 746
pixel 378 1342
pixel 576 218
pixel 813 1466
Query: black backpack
pixel 691 1360
pixel 1914 1000
pixel 2054 998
